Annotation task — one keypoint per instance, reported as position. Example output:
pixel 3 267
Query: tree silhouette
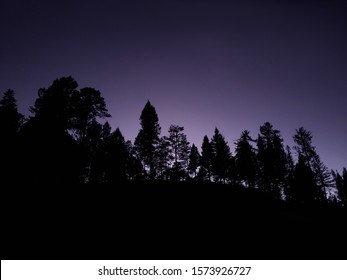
pixel 304 189
pixel 178 148
pixel 10 118
pixel 341 185
pixel 304 147
pixel 63 114
pixel 271 159
pixel 343 189
pixel 116 157
pixel 323 177
pixel 45 137
pixel 147 139
pixel 289 179
pixel 306 150
pixel 53 109
pixel 93 158
pixel 87 105
pixel 220 157
pixel 10 122
pixel 194 161
pixel 245 160
pixel 135 169
pixel 63 143
pixel 163 158
pixel 205 171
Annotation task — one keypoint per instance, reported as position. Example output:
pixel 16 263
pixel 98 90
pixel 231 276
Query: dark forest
pixel 66 176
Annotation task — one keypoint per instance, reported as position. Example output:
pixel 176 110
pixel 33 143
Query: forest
pixel 64 143
pixel 66 162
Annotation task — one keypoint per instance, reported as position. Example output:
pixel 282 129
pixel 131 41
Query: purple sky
pixel 202 63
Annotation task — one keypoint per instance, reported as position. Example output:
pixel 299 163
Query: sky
pixel 202 64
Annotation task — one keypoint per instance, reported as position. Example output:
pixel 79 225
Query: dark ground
pixel 165 221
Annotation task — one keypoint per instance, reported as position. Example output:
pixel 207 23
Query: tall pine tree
pixel 245 160
pixel 205 172
pixel 306 150
pixel 178 151
pixel 147 139
pixel 10 122
pixel 194 161
pixel 271 160
pixel 221 157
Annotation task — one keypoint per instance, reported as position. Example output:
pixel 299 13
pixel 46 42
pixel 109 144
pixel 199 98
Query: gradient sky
pixel 202 64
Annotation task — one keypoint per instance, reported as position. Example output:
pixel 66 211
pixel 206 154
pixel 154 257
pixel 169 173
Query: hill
pixel 166 220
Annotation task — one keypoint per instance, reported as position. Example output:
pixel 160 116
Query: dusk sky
pixel 202 64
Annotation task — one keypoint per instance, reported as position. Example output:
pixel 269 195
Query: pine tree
pixel 50 156
pixel 10 118
pixel 87 105
pixel 163 158
pixel 93 161
pixel 304 189
pixel 305 149
pixel 116 157
pixel 10 122
pixel 341 185
pixel 271 159
pixel 205 171
pixel 323 177
pixel 147 139
pixel 53 109
pixel 289 179
pixel 343 190
pixel 245 160
pixel 178 151
pixel 194 161
pixel 64 116
pixel 134 168
pixel 304 146
pixel 220 157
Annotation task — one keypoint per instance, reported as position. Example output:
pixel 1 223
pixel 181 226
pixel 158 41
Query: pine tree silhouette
pixel 221 157
pixel 147 139
pixel 245 160
pixel 194 161
pixel 10 122
pixel 178 147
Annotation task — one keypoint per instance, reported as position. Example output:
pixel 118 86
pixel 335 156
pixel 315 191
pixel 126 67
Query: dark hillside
pixel 165 220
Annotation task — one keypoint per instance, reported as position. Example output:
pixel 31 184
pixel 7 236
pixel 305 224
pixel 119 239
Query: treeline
pixel 63 142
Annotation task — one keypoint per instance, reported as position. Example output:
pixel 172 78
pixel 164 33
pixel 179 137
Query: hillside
pixel 166 221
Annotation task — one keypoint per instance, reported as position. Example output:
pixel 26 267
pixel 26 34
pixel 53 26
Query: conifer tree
pixel 220 157
pixel 289 177
pixel 10 118
pixel 341 185
pixel 205 171
pixel 147 139
pixel 306 150
pixel 304 189
pixel 10 122
pixel 116 157
pixel 194 161
pixel 178 151
pixel 245 160
pixel 87 105
pixel 271 159
pixel 134 168
pixel 163 158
